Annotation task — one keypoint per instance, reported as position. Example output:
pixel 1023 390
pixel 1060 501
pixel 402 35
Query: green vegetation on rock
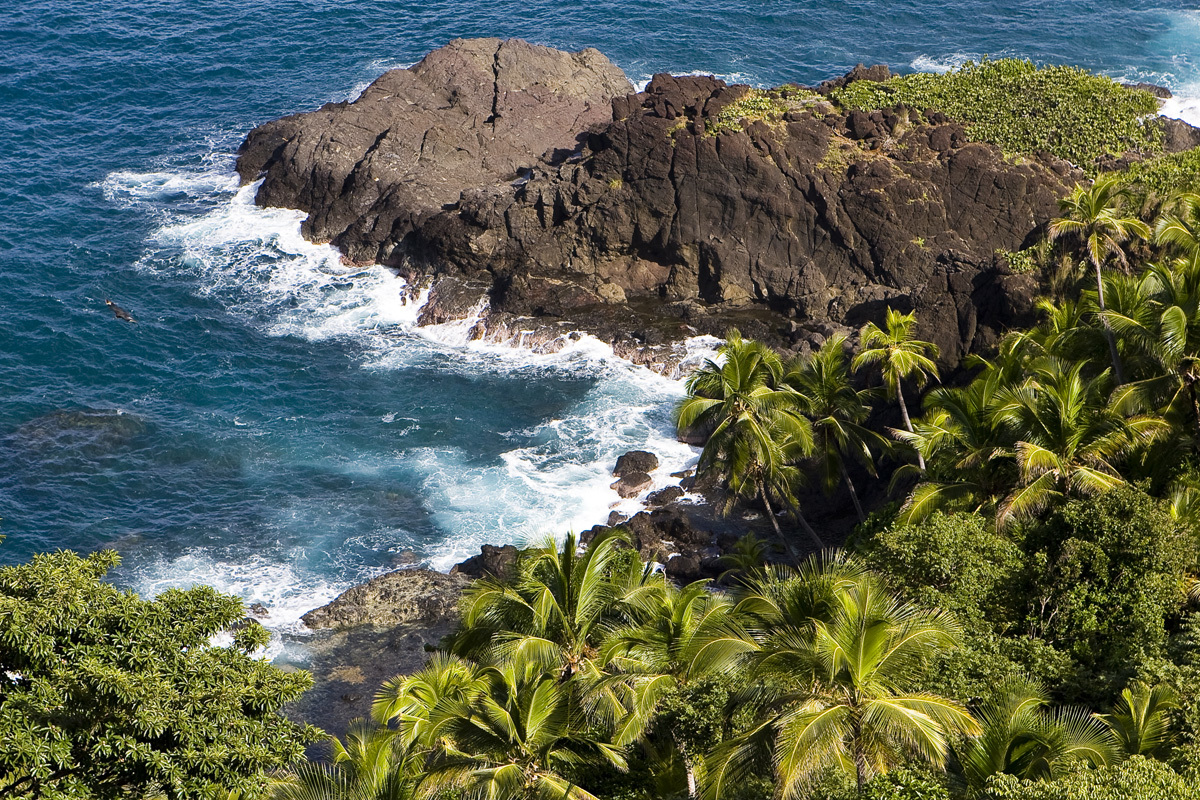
pixel 1023 109
pixel 757 104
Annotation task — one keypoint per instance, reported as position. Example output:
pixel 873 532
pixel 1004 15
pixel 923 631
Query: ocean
pixel 274 424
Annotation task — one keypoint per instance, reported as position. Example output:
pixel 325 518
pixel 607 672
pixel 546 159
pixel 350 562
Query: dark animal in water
pixel 119 312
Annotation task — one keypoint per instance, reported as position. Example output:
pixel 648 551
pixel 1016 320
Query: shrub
pixel 104 694
pixel 1135 779
pixel 1176 172
pixel 754 105
pixel 1024 109
pixel 1109 571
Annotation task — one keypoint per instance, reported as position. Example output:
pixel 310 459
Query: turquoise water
pixel 272 424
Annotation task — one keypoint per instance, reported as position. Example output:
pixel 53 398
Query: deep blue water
pixel 271 424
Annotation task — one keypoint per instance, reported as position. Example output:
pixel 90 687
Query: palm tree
pixel 900 357
pixel 823 392
pixel 1021 737
pixel 1069 432
pixel 683 634
pixel 834 672
pixel 970 453
pixel 371 765
pixel 411 701
pixel 553 614
pixel 1139 720
pixel 1093 216
pixel 1163 325
pixel 755 437
pixel 519 740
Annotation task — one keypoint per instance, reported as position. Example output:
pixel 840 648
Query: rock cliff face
pixel 537 182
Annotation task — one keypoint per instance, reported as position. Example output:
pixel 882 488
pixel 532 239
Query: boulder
pixel 665 496
pixel 407 595
pixel 684 569
pixel 492 561
pixel 635 461
pixel 632 484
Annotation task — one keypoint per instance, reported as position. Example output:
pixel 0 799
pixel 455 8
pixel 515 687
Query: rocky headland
pixel 536 193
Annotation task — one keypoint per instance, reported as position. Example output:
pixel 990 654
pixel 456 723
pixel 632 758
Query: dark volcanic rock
pixel 1161 92
pixel 664 496
pixel 472 114
pixel 632 484
pixel 641 226
pixel 1179 135
pixel 407 595
pixel 492 561
pixel 823 218
pixel 635 461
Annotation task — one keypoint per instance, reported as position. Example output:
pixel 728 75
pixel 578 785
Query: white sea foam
pixel 942 64
pixel 142 187
pixel 642 81
pixel 557 476
pixel 271 580
pixel 1184 105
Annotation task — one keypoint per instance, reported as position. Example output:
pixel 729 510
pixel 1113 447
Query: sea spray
pixel 554 477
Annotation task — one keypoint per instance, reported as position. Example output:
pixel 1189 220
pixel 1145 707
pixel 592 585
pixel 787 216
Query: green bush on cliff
pixel 1176 172
pixel 1024 109
pixel 755 105
pixel 1135 779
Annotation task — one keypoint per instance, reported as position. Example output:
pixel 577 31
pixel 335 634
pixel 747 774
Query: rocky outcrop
pixel 477 112
pixel 407 595
pixel 531 188
pixel 492 562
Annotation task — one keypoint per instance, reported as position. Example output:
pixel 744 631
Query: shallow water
pixel 273 424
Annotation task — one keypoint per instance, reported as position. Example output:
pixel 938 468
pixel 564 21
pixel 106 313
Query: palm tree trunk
pixel 853 494
pixel 691 777
pixel 762 492
pixel 860 758
pixel 1108 334
pixel 907 421
pixel 1195 409
pixel 808 528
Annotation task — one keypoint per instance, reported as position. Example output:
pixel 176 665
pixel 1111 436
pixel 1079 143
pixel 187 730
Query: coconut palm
pixel 1163 326
pixel 1093 216
pixel 373 764
pixel 519 740
pixel 1021 736
pixel 824 393
pixel 1140 721
pixel 756 437
pixel 970 452
pixel 553 614
pixel 899 357
pixel 835 671
pixel 410 702
pixel 683 635
pixel 1069 434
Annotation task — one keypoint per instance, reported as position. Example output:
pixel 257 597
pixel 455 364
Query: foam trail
pixel 942 64
pixel 554 478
